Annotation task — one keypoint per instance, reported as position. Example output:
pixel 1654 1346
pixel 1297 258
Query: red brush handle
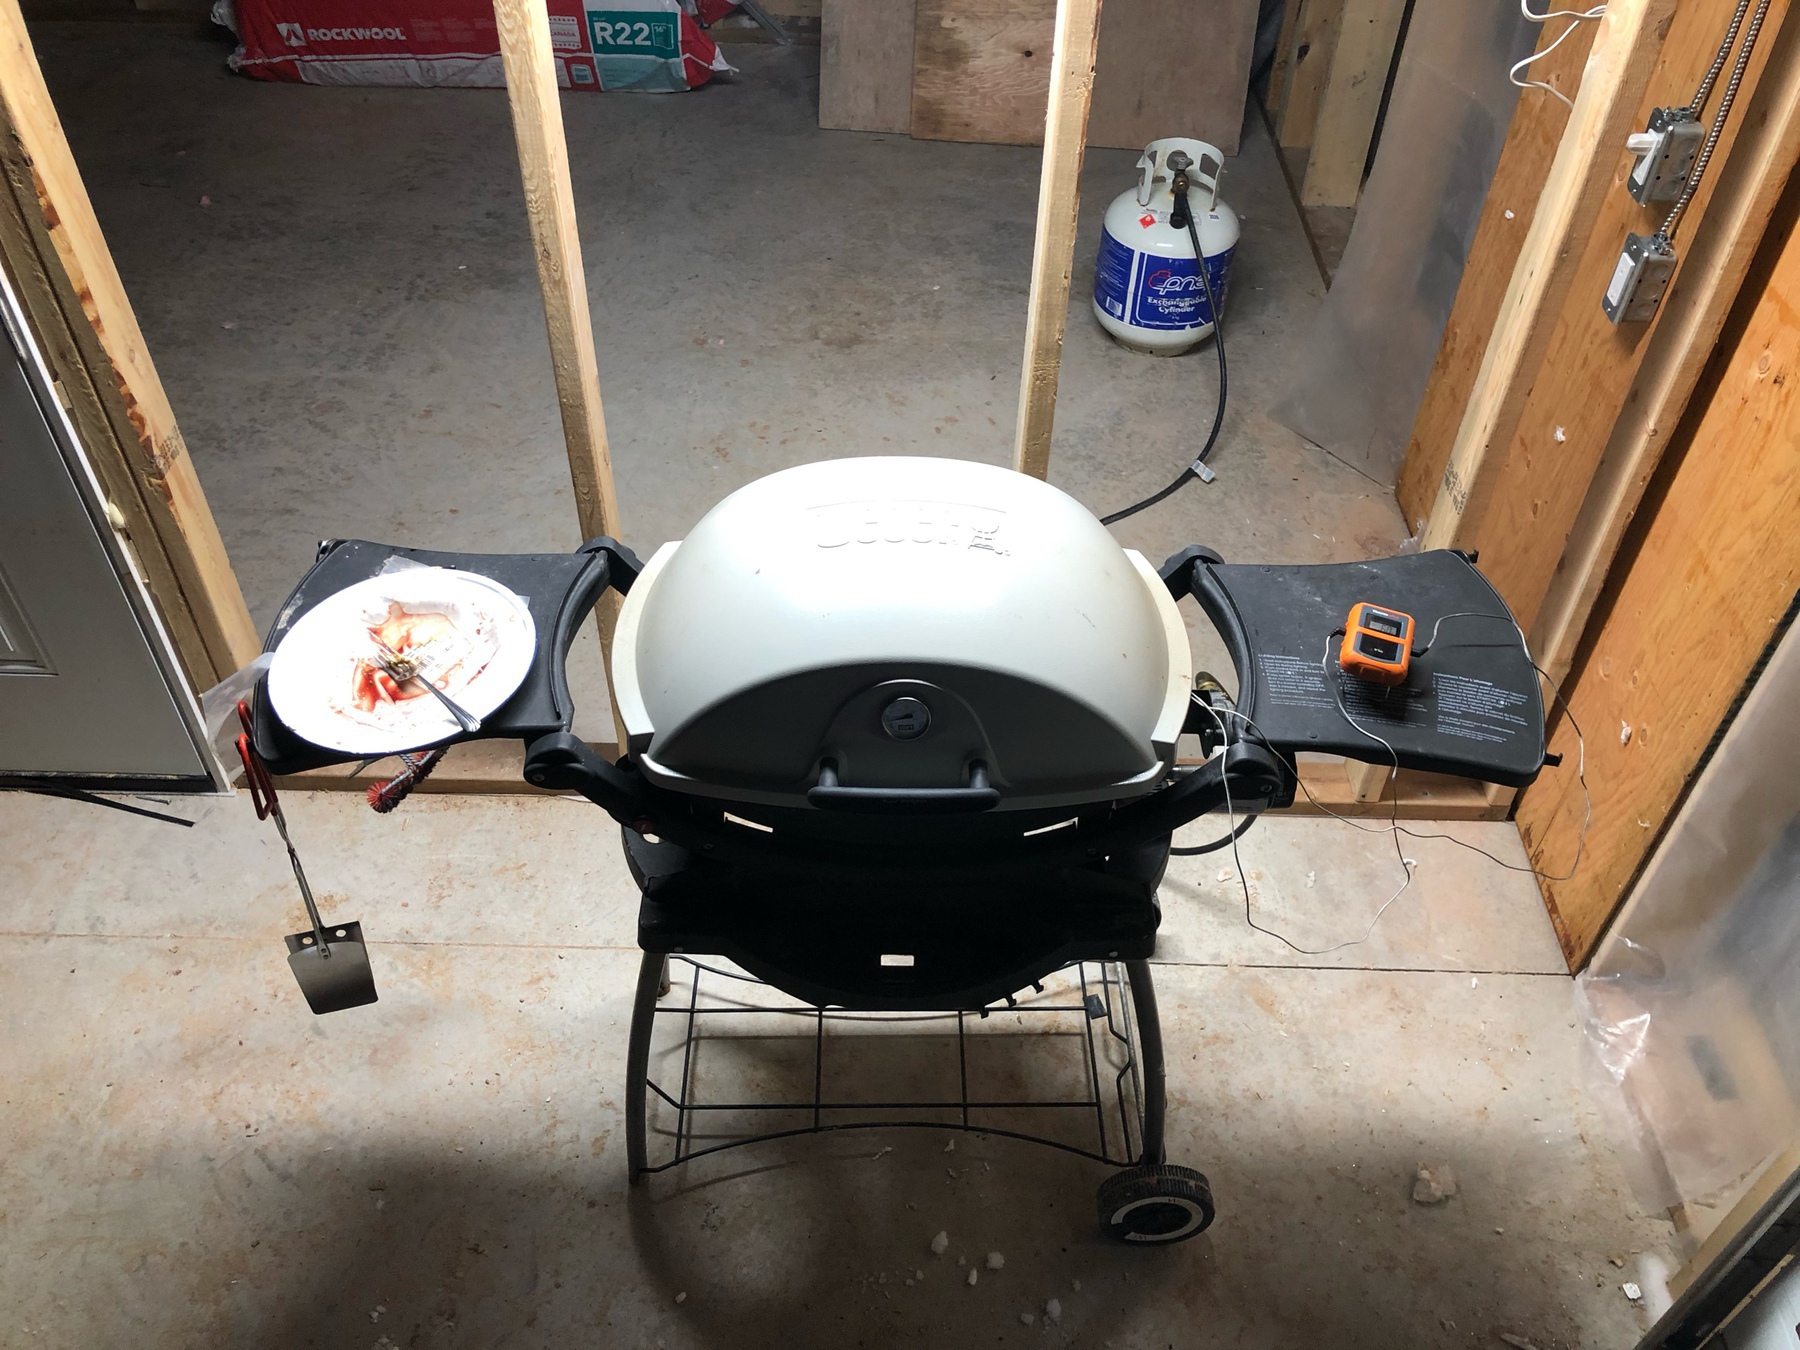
pixel 256 773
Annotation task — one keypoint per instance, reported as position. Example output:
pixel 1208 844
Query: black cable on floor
pixel 1218 336
pixel 1223 841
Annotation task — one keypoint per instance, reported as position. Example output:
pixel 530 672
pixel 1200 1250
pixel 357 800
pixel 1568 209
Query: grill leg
pixel 653 975
pixel 1150 1055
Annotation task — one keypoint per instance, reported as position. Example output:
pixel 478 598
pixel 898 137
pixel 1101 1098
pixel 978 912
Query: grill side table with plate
pixel 559 588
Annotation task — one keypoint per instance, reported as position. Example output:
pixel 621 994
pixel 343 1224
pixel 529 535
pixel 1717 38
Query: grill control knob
pixel 905 719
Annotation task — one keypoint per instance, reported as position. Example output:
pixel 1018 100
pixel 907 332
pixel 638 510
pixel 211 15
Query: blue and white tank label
pixel 1150 291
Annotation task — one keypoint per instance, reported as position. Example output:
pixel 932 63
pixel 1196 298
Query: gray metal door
pixel 90 694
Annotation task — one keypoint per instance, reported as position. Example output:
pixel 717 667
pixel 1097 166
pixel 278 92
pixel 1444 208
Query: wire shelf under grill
pixel 733 1061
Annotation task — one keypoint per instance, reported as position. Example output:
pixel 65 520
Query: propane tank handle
pixel 1205 164
pixel 1210 163
pixel 1147 181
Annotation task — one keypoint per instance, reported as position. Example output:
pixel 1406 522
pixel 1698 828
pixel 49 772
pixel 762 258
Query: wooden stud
pixel 1281 67
pixel 1313 46
pixel 1367 781
pixel 1717 259
pixel 1053 247
pixel 1326 789
pixel 1410 796
pixel 1618 71
pixel 1360 60
pixel 76 304
pixel 530 65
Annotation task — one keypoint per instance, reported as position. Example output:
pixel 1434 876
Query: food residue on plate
pixel 428 638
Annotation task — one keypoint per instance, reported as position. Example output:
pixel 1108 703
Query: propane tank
pixel 1147 290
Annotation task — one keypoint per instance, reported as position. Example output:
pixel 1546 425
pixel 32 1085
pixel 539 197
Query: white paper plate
pixel 312 681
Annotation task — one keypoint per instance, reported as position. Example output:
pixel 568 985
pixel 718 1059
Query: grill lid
pixel 901 623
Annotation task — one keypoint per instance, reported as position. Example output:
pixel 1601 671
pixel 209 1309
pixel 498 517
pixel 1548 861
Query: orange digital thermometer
pixel 1377 644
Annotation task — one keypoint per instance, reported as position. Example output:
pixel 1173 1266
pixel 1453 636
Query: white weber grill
pixel 901 737
pixel 906 636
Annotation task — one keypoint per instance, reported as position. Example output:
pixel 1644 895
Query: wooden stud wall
pixel 1550 453
pixel 1560 418
pixel 1531 140
pixel 1281 64
pixel 1581 184
pixel 1708 572
pixel 1738 209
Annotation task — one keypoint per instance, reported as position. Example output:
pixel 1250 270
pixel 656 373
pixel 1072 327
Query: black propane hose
pixel 1223 841
pixel 1192 471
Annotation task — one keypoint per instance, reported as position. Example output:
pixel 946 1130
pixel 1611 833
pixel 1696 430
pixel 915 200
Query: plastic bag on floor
pixel 1695 1041
pixel 1691 1007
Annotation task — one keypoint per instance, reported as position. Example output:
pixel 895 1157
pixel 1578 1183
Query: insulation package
pixel 652 46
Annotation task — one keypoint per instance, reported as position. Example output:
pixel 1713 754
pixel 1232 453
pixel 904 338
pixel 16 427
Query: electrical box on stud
pixel 1665 153
pixel 1640 278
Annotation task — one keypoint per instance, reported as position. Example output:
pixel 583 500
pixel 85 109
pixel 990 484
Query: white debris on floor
pixel 1433 1184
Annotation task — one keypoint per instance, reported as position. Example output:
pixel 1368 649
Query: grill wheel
pixel 1155 1203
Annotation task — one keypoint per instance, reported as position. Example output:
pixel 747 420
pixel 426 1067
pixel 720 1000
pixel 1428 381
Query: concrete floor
pixel 351 336
pixel 193 1159
pixel 339 290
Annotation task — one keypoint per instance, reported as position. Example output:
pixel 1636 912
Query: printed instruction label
pixel 1293 680
pixel 1478 710
pixel 1396 705
pixel 1463 706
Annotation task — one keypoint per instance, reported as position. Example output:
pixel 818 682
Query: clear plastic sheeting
pixel 1692 1007
pixel 1363 368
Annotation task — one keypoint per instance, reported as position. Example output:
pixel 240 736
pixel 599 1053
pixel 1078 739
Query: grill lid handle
pixel 830 795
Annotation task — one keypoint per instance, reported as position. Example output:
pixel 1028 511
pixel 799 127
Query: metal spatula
pixel 331 965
